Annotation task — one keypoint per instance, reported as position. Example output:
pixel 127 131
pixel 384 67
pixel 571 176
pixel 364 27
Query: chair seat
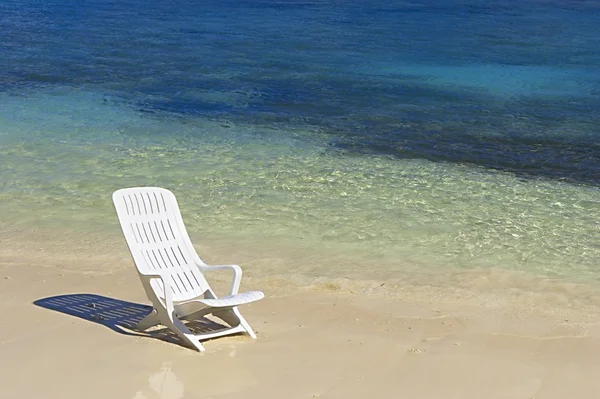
pixel 233 300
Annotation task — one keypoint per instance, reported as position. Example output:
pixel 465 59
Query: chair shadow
pixel 120 316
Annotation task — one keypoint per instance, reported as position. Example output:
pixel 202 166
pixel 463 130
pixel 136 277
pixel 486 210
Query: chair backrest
pixel 158 240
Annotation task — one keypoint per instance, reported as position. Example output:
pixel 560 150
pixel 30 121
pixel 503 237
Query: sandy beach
pixel 322 341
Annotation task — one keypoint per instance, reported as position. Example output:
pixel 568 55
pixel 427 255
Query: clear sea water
pixel 368 140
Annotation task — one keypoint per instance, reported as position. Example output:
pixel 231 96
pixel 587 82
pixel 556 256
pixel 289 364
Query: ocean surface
pixel 321 139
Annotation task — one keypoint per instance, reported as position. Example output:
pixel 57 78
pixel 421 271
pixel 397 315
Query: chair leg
pixel 244 323
pixel 231 316
pixel 234 318
pixel 175 325
pixel 150 320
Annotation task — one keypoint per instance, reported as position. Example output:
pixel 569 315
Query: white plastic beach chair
pixel 171 271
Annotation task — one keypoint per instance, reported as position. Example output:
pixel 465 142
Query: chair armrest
pixel 237 275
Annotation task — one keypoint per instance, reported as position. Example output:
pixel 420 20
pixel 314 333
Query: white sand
pixel 313 342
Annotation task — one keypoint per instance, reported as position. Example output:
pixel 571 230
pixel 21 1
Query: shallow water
pixel 348 140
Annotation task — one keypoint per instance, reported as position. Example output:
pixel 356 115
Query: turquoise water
pixel 314 139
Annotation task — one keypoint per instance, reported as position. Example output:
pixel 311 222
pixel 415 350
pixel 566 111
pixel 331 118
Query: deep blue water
pixel 510 85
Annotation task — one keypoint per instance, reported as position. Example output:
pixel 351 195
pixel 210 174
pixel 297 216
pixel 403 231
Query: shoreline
pixel 105 253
